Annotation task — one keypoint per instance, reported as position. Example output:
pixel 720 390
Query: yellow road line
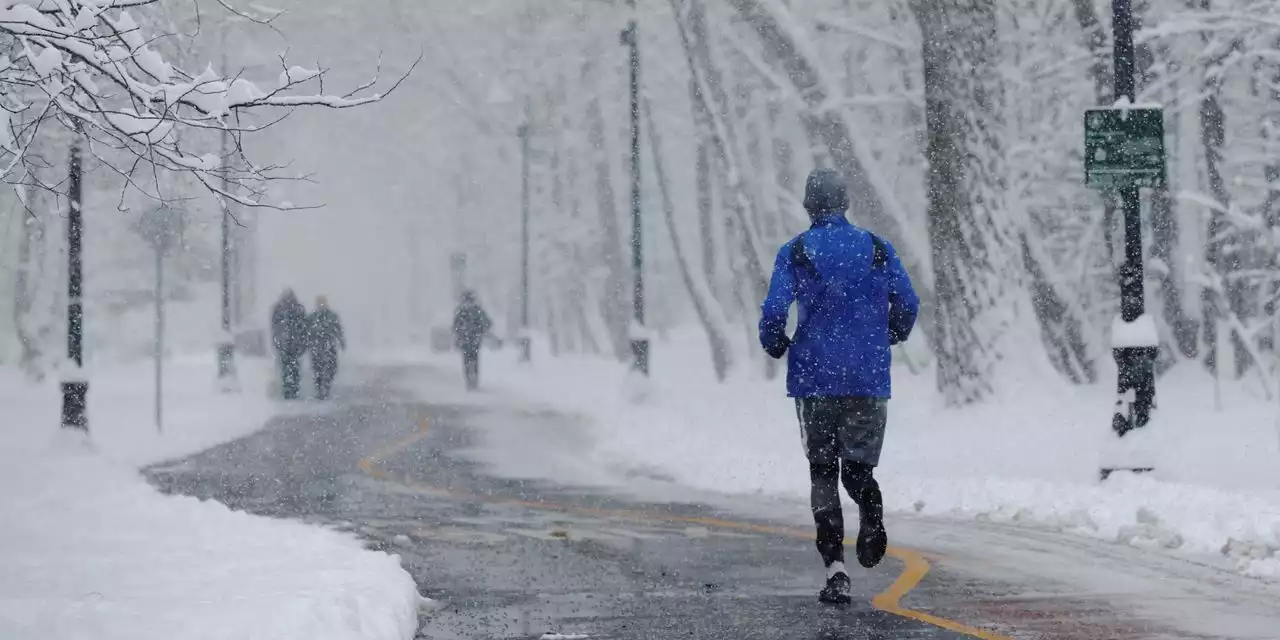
pixel 915 566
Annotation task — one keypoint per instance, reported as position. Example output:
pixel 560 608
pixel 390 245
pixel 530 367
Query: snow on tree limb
pixel 88 64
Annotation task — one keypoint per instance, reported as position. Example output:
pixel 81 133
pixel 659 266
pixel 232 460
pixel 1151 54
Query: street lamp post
pixel 226 343
pixel 75 388
pixel 526 346
pixel 639 338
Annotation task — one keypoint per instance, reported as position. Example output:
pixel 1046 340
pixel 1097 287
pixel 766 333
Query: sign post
pixel 1124 151
pixel 162 228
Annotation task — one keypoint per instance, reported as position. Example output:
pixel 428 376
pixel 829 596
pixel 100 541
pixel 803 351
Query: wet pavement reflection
pixel 512 558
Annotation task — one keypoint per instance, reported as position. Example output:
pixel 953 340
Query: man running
pixel 854 301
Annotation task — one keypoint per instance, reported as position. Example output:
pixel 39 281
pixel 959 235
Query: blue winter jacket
pixel 849 313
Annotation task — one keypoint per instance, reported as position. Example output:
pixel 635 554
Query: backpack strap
pixel 801 259
pixel 879 255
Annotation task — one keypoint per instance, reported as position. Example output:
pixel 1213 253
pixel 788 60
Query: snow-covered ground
pixel 1030 456
pixel 88 550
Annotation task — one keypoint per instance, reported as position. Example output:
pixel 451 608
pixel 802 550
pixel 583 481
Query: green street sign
pixel 1124 147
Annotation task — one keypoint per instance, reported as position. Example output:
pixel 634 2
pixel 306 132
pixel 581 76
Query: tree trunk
pixel 24 296
pixel 1099 50
pixel 1271 206
pixel 704 303
pixel 705 189
pixel 1061 329
pixel 962 113
pixel 1221 256
pixel 1164 217
pixel 614 303
pixel 713 100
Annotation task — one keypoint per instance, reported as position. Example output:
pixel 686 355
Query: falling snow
pixel 384 161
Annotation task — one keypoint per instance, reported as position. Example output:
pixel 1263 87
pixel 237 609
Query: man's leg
pixel 321 375
pixel 328 363
pixel 470 368
pixel 286 375
pixel 861 433
pixel 282 371
pixel 824 498
pixel 292 375
pixel 818 431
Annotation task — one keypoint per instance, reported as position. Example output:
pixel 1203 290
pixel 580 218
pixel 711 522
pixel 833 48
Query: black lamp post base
pixel 526 349
pixel 226 361
pixel 1136 388
pixel 640 352
pixel 75 397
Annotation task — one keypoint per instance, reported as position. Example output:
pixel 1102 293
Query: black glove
pixel 779 348
pixel 896 337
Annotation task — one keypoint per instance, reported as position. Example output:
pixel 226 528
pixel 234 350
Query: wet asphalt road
pixel 511 558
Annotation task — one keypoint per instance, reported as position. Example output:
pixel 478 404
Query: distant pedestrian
pixel 289 337
pixel 324 340
pixel 854 301
pixel 471 325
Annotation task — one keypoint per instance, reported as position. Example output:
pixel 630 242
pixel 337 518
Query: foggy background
pixel 746 97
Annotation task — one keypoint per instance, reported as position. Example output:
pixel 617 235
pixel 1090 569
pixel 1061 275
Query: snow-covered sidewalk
pixel 1030 456
pixel 88 550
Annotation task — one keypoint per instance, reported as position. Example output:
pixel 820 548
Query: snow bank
pixel 89 550
pixel 1030 456
pixel 196 414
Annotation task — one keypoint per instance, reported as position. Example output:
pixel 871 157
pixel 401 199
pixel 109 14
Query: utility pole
pixel 1124 151
pixel 526 342
pixel 639 337
pixel 75 388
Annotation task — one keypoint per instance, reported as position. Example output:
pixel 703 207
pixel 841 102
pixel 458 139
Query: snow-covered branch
pixel 89 64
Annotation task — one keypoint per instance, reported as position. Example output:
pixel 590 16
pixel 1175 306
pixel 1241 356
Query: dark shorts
pixel 842 428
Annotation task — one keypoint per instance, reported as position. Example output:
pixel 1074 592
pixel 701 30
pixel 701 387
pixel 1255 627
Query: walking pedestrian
pixel 289 336
pixel 325 339
pixel 471 325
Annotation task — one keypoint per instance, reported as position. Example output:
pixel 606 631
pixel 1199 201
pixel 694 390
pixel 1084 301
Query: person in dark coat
pixel 471 325
pixel 289 337
pixel 324 339
pixel 854 301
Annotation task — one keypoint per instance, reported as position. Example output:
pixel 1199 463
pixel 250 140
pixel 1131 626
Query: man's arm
pixel 773 313
pixel 904 304
pixel 458 320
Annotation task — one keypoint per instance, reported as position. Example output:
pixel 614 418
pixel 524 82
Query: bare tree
pixel 89 66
